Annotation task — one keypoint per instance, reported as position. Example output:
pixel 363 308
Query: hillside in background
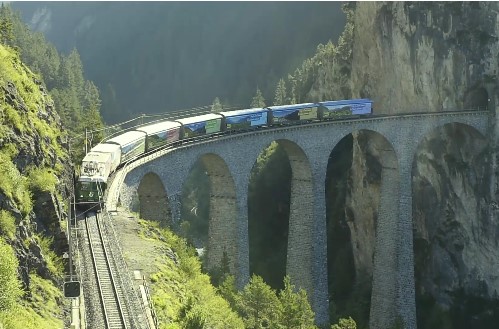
pixel 160 56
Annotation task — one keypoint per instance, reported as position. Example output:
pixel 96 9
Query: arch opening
pixel 269 193
pixel 209 213
pixel 360 168
pixel 153 201
pixel 280 216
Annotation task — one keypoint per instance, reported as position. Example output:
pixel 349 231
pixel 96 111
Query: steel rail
pixel 114 314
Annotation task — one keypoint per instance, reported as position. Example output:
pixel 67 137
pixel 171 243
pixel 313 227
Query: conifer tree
pixel 259 305
pixel 6 26
pixel 296 310
pixel 258 100
pixel 216 106
pixel 280 93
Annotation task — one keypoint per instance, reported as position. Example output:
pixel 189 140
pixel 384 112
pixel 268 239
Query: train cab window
pixel 85 186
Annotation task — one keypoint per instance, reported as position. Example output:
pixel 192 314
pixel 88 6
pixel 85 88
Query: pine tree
pixel 280 93
pixel 216 107
pixel 258 100
pixel 6 26
pixel 91 108
pixel 259 305
pixel 296 310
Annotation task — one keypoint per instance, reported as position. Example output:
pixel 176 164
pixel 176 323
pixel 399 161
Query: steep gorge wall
pixel 424 56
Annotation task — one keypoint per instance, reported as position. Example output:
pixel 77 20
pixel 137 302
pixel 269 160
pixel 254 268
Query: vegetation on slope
pixel 183 296
pixel 30 161
pixel 76 99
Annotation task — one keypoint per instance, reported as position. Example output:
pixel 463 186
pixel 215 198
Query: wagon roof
pixel 158 127
pixel 347 101
pixel 127 137
pixel 105 148
pixel 293 107
pixel 242 112
pixel 199 118
pixel 97 157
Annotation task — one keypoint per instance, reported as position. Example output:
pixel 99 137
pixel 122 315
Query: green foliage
pixel 8 277
pixel 296 310
pixel 227 289
pixel 345 324
pixel 42 179
pixel 14 185
pixel 280 97
pixel 54 262
pixel 6 26
pixel 257 100
pixel 216 106
pixel 29 103
pixel 183 297
pixel 259 305
pixel 42 310
pixel 75 99
pixel 219 273
pixel 329 67
pixel 7 224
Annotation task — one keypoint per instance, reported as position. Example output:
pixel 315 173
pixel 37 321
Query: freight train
pixel 104 158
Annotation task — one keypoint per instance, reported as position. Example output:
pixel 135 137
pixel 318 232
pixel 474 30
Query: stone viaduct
pixel 229 161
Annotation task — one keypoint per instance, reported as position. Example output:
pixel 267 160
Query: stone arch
pixel 299 262
pixel 361 209
pixel 222 238
pixel 153 200
pixel 452 221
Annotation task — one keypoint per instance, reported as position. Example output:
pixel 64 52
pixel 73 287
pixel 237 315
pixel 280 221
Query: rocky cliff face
pixel 424 56
pixel 455 238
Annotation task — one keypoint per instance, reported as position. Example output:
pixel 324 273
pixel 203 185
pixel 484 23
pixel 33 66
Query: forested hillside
pixel 76 99
pixel 158 56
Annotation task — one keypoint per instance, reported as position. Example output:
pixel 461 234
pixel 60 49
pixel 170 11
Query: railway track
pixel 111 295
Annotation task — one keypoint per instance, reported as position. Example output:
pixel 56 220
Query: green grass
pixel 181 294
pixel 41 312
pixel 7 224
pixel 42 179
pixel 14 185
pixel 54 262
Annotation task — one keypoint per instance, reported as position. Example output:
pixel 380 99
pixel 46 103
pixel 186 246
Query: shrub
pixel 41 179
pixel 8 277
pixel 7 224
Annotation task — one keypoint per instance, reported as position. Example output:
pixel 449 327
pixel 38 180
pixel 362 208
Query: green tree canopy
pixel 259 305
pixel 296 310
pixel 280 93
pixel 258 100
pixel 8 277
pixel 216 106
pixel 6 26
pixel 345 324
